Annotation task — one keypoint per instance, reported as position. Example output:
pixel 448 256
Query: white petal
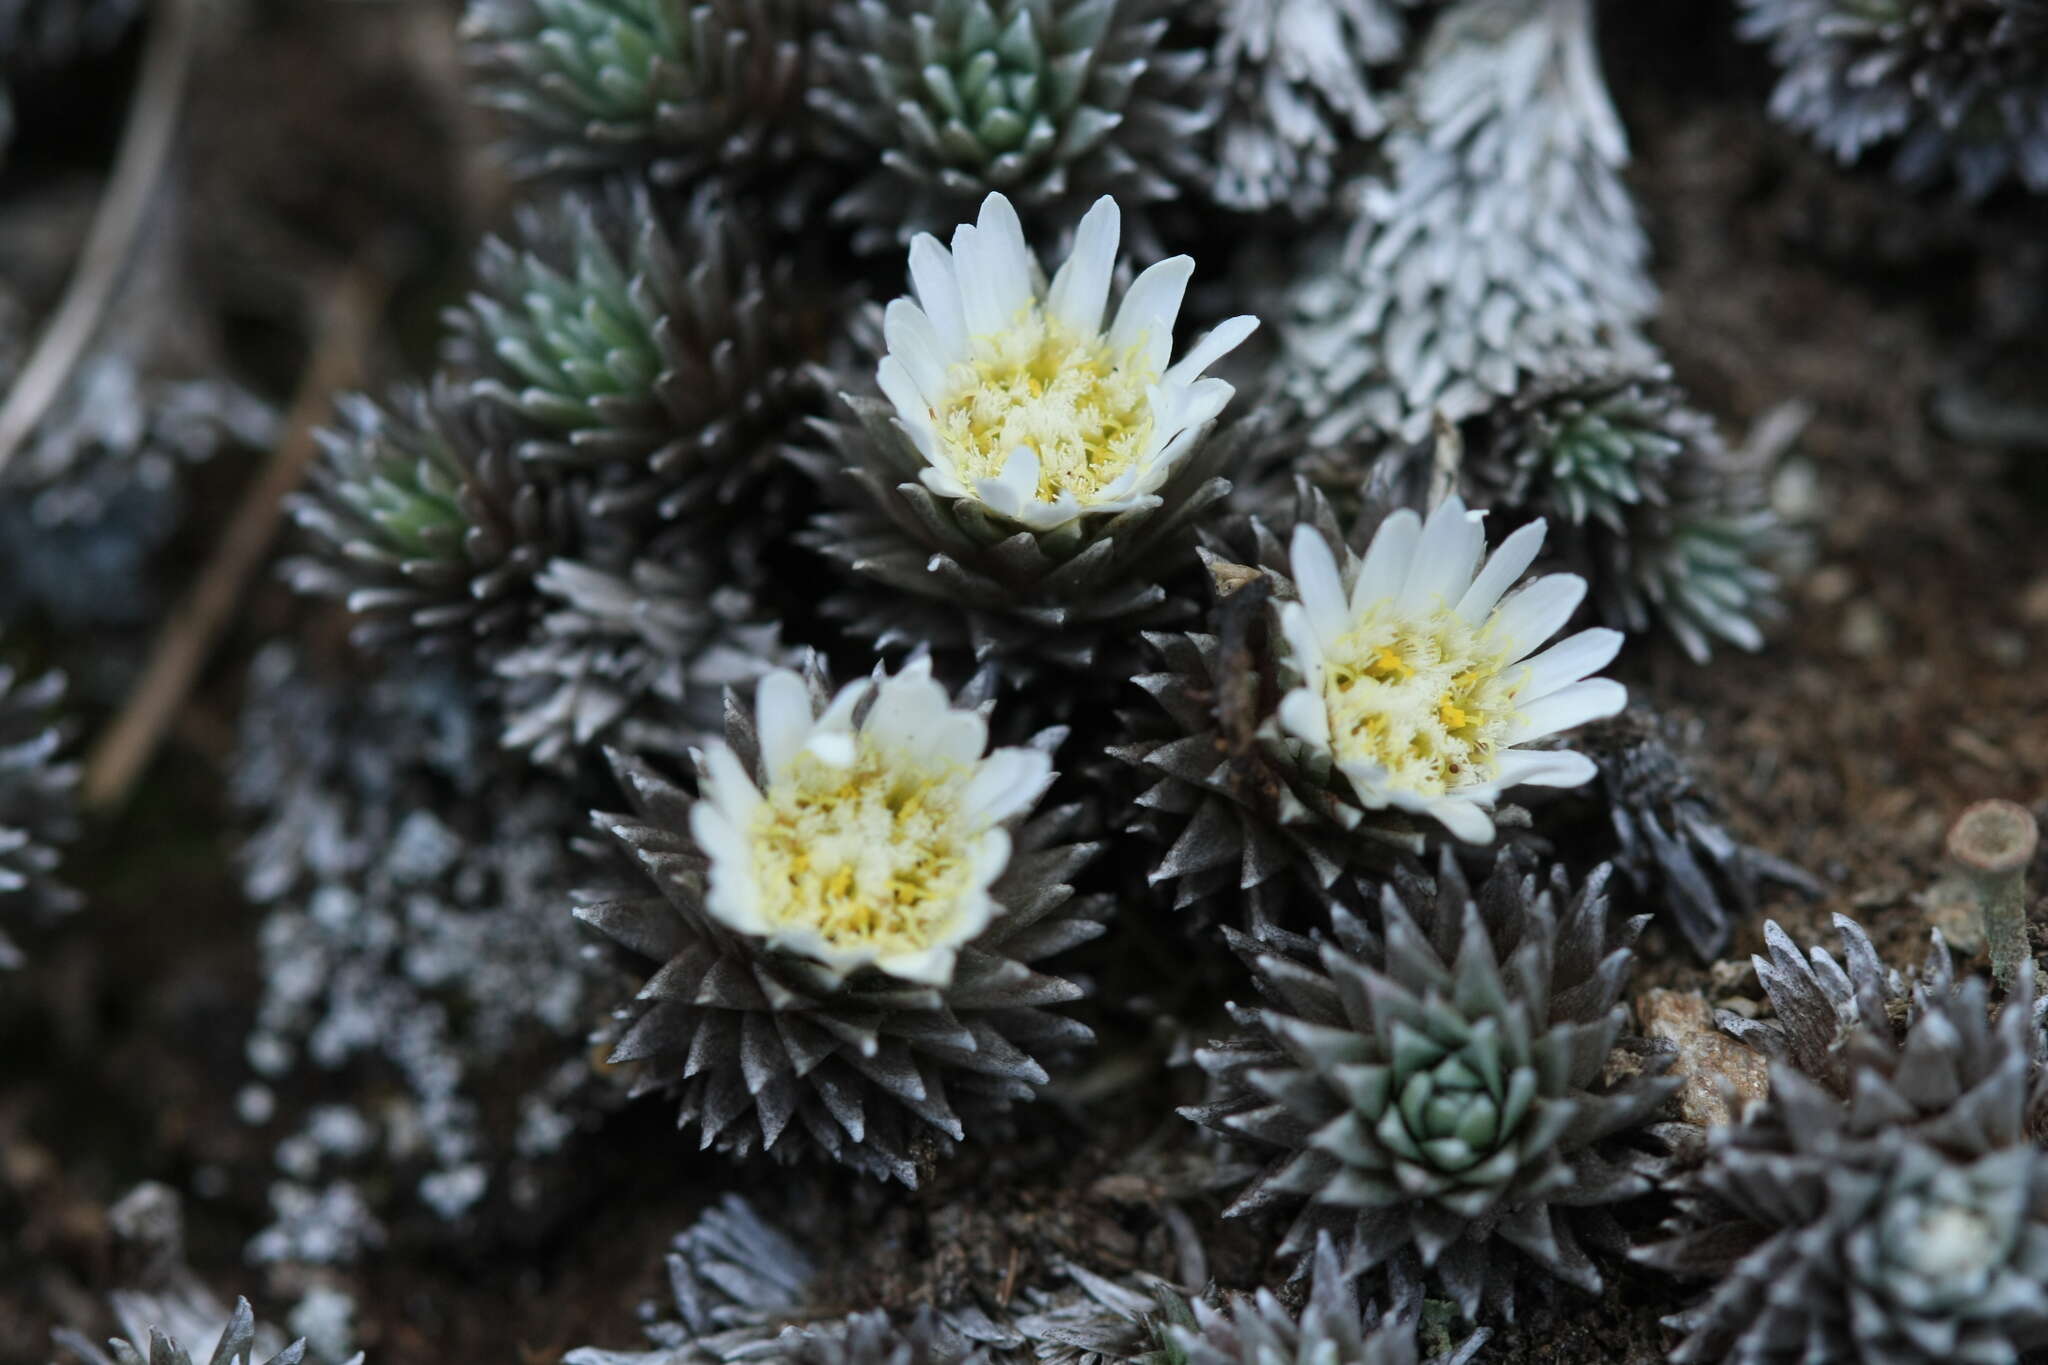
pixel 1503 570
pixel 952 736
pixel 1534 613
pixel 1369 784
pixel 906 710
pixel 1441 569
pixel 1305 647
pixel 927 967
pixel 833 748
pixel 941 479
pixel 1570 659
pixel 1080 290
pixel 1005 783
pixel 1387 561
pixel 1150 306
pixel 980 304
pixel 1009 492
pixel 727 785
pixel 717 837
pixel 1194 405
pixel 1303 715
pixel 1005 256
pixel 913 406
pixel 838 713
pixel 782 716
pixel 1045 516
pixel 1544 768
pixel 1317 582
pixel 914 343
pixel 1462 817
pixel 937 286
pixel 988 858
pixel 1226 337
pixel 1593 699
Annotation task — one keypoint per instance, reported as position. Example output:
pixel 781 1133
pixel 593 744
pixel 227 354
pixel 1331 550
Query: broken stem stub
pixel 1993 842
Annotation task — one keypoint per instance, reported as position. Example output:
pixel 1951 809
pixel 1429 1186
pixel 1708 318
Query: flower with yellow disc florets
pixel 1016 394
pixel 1040 461
pixel 848 916
pixel 1414 677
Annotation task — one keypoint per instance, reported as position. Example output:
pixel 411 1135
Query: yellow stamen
pixel 1429 699
pixel 1084 410
pixel 874 858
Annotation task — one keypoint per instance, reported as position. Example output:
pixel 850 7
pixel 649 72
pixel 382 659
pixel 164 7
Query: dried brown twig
pixel 347 323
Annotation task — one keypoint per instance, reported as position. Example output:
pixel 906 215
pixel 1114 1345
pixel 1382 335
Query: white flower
pixel 874 842
pixel 1415 677
pixel 1016 396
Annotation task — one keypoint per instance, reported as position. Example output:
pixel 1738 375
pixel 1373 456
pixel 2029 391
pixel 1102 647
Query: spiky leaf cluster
pixel 1432 1093
pixel 1590 448
pixel 1889 1202
pixel 414 880
pixel 676 86
pixel 948 574
pixel 735 1281
pixel 637 661
pixel 1670 526
pixel 1260 1330
pixel 1051 102
pixel 1951 87
pixel 37 803
pixel 742 1288
pixel 1501 243
pixel 1653 817
pixel 236 1343
pixel 770 1051
pixel 1299 74
pixel 426 522
pixel 642 338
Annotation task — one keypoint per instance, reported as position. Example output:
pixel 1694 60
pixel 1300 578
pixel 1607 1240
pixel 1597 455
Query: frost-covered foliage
pixel 1951 88
pixel 1301 76
pixel 36 804
pixel 417 884
pixel 1499 245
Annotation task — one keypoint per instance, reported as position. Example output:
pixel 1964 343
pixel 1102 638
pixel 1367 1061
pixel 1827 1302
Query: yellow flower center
pixel 874 857
pixel 1429 698
pixel 1062 393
